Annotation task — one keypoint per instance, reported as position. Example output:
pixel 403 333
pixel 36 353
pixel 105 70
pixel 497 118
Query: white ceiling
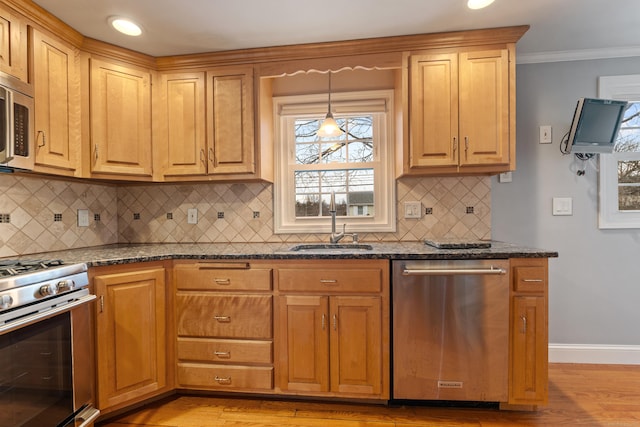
pixel 174 27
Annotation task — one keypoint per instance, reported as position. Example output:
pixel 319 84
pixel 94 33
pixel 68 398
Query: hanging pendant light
pixel 329 128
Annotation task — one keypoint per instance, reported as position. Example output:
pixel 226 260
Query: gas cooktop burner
pixel 13 268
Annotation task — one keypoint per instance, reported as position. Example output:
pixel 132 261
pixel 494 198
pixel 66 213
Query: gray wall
pixel 594 287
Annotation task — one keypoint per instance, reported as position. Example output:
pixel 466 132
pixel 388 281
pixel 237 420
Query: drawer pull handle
pixel 223 354
pixel 328 281
pixel 532 280
pixel 223 319
pixel 220 281
pixel 223 380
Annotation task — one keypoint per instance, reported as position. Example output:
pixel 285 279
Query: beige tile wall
pixel 38 215
pixel 239 204
pixel 226 213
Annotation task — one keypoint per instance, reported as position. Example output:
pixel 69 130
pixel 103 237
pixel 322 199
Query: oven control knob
pixel 65 285
pixel 47 290
pixel 5 301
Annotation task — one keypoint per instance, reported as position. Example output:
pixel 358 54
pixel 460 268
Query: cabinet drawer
pixel 226 276
pixel 210 376
pixel 224 316
pixel 222 350
pixel 330 280
pixel 529 279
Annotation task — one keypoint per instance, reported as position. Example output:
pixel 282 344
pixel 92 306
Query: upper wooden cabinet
pixel 13 45
pixel 461 113
pixel 215 142
pixel 120 124
pixel 57 98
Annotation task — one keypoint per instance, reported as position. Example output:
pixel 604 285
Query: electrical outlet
pixel 545 134
pixel 412 209
pixel 192 216
pixel 83 217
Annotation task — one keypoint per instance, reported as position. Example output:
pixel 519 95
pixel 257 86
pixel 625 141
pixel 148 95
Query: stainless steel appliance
pixel 16 124
pixel 450 330
pixel 46 357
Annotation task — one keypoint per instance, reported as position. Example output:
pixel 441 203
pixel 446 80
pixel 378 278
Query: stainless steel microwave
pixel 16 124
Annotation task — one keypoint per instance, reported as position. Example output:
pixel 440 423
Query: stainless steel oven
pixel 46 357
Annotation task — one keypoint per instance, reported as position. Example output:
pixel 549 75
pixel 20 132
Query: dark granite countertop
pixel 128 253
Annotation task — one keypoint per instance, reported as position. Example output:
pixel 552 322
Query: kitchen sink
pixel 332 247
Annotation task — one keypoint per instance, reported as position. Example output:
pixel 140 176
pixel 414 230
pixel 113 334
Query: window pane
pixel 629 172
pixel 628 198
pixel 307 205
pixel 629 136
pixel 334 152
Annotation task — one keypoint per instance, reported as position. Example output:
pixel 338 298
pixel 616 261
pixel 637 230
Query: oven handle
pixel 32 318
pixel 87 416
pixel 453 271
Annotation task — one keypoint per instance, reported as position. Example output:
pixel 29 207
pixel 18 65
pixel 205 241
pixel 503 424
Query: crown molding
pixel 577 55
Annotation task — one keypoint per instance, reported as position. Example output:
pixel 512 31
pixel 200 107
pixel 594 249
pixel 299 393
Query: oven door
pixel 46 368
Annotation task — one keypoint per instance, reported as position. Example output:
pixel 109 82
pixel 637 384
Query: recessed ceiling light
pixel 478 4
pixel 125 26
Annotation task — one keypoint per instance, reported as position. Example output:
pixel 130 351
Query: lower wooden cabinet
pixel 332 328
pixel 224 326
pixel 131 343
pixel 529 332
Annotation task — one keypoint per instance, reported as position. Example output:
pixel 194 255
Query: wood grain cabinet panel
pixel 529 332
pixel 120 119
pixel 332 330
pixel 461 116
pixel 13 45
pixel 228 316
pixel 131 335
pixel 57 96
pixel 224 325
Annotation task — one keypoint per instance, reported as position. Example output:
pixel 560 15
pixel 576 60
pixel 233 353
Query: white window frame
pixel 626 88
pixel 286 110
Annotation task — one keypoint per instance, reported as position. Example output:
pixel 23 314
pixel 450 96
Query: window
pixel 356 168
pixel 619 199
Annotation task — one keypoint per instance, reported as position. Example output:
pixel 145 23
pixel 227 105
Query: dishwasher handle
pixel 453 271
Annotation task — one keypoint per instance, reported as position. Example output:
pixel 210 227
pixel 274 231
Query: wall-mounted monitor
pixel 595 125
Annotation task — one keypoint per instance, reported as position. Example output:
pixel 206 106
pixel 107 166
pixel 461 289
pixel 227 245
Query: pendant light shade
pixel 329 128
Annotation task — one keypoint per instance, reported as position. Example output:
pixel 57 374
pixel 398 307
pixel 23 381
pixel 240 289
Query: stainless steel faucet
pixel 336 237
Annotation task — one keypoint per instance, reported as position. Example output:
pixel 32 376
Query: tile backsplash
pixel 39 214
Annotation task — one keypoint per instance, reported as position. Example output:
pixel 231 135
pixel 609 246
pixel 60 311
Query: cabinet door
pixel 120 119
pixel 13 45
pixel 131 335
pixel 230 134
pixel 484 107
pixel 57 121
pixel 356 344
pixel 434 110
pixel 529 347
pixel 304 341
pixel 181 124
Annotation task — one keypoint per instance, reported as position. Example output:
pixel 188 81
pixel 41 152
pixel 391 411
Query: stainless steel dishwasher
pixel 451 330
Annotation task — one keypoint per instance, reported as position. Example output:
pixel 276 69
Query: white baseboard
pixel 600 354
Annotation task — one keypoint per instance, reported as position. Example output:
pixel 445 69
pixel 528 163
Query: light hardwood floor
pixel 579 395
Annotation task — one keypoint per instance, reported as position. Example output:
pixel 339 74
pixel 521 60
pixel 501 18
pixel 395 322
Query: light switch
pixel 562 206
pixel 412 210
